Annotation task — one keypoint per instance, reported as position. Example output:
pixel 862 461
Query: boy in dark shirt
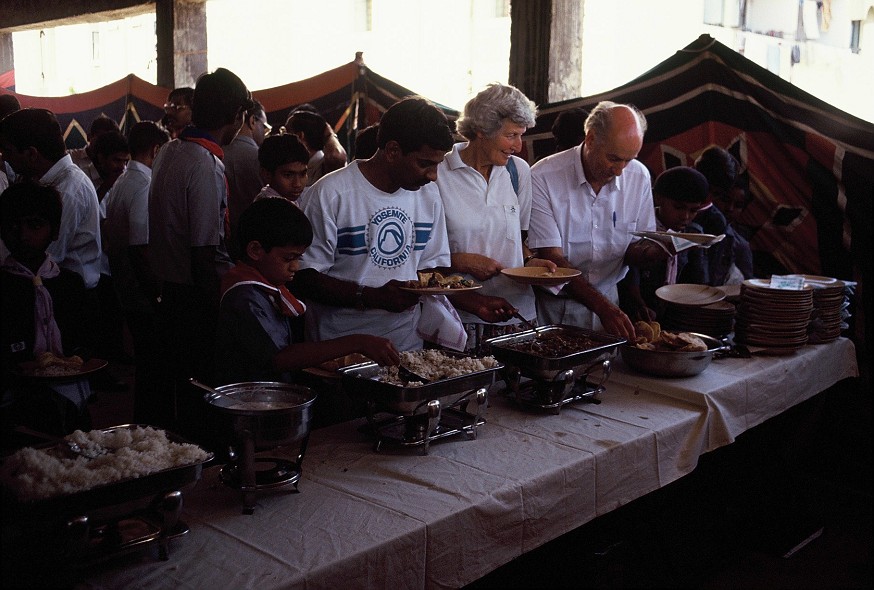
pixel 42 312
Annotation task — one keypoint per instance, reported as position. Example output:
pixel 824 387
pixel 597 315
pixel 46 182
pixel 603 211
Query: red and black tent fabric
pixel 810 165
pixel 350 97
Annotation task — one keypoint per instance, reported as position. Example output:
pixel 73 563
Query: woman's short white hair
pixel 485 113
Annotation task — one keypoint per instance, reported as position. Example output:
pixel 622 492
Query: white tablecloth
pixel 400 519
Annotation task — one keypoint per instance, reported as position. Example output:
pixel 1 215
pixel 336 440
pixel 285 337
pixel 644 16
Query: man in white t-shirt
pixel 376 223
pixel 582 216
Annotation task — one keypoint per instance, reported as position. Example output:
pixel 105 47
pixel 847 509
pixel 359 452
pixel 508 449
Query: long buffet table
pixel 400 519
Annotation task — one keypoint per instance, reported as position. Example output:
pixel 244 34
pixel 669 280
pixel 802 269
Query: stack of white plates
pixel 715 319
pixel 829 303
pixel 774 318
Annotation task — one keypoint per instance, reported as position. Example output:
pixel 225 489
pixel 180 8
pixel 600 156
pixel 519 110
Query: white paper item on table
pixel 439 323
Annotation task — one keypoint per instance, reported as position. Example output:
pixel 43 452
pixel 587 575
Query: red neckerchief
pixel 244 274
pixel 203 139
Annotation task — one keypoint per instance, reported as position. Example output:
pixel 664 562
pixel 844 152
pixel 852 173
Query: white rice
pixel 38 474
pixel 434 365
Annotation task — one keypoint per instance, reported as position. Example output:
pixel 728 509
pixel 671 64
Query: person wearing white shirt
pixel 487 209
pixel 586 202
pixel 376 223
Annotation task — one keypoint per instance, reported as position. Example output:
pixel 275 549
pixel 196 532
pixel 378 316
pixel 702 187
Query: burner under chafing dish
pixel 569 386
pixel 269 473
pixel 436 423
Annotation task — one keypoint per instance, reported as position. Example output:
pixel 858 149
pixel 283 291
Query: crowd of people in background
pixel 230 251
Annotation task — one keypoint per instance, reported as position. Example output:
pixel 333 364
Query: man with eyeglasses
pixel 241 164
pixel 177 110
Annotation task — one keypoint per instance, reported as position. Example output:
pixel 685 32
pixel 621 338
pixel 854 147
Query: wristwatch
pixel 359 298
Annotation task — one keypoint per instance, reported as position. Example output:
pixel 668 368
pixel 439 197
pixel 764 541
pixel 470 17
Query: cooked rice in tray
pixel 38 474
pixel 435 365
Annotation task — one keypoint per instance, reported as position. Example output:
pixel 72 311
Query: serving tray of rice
pixel 448 373
pixel 137 463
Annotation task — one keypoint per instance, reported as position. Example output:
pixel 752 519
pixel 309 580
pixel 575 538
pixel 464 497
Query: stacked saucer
pixel 829 305
pixel 715 319
pixel 773 318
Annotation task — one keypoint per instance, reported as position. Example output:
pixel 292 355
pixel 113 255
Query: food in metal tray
pixel 38 474
pixel 650 336
pixel 554 344
pixel 435 365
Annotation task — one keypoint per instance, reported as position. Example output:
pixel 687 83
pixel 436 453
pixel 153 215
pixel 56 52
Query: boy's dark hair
pixel 719 167
pixel 111 142
pixel 681 183
pixel 415 122
pixel 38 128
pixel 27 199
pixel 312 125
pixel 9 103
pixel 145 135
pixel 365 142
pixel 568 128
pixel 278 150
pixel 186 93
pixel 101 125
pixel 274 222
pixel 218 97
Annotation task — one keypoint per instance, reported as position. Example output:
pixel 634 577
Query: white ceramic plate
pixel 690 294
pixel 538 275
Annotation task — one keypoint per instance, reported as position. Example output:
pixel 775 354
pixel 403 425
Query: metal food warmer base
pixel 422 414
pixel 251 474
pixel 567 388
pixel 549 381
pixel 435 423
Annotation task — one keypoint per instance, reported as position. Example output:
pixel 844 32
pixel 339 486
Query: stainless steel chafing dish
pixel 556 379
pixel 422 413
pixel 79 529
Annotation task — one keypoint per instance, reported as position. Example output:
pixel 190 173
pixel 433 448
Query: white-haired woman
pixel 486 193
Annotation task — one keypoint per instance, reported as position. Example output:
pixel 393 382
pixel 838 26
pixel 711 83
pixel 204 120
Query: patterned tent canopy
pixel 810 166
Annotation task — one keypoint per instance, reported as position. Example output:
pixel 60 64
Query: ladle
pixel 206 387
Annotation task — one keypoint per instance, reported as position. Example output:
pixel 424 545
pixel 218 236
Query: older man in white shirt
pixel 586 202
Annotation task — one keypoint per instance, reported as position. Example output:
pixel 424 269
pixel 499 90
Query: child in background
pixel 283 160
pixel 255 340
pixel 42 312
pixel 678 194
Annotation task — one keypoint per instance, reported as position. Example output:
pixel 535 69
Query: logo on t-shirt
pixel 391 237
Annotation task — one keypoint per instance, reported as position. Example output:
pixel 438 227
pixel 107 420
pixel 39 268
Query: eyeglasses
pixel 169 106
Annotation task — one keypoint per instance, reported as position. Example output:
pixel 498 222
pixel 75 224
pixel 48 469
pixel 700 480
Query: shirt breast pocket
pixel 511 221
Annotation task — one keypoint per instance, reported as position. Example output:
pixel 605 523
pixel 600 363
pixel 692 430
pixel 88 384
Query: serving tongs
pixel 89 453
pixel 409 375
pixel 528 323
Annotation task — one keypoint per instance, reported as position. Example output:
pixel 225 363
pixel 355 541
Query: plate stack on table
pixel 715 319
pixel 829 305
pixel 773 318
pixel 696 308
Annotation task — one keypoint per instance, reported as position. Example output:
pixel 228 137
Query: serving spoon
pixel 89 453
pixel 528 323
pixel 206 387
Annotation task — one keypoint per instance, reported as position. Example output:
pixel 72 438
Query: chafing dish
pixel 79 529
pixel 263 415
pixel 555 379
pixel 422 413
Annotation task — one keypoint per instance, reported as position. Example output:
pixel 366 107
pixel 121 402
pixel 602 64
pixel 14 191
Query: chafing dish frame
pixel 422 413
pixel 86 522
pixel 557 380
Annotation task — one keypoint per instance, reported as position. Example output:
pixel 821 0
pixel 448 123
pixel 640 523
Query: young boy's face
pixel 676 215
pixel 289 180
pixel 27 237
pixel 279 264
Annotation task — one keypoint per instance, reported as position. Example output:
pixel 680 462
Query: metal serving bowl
pixel 270 413
pixel 668 363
